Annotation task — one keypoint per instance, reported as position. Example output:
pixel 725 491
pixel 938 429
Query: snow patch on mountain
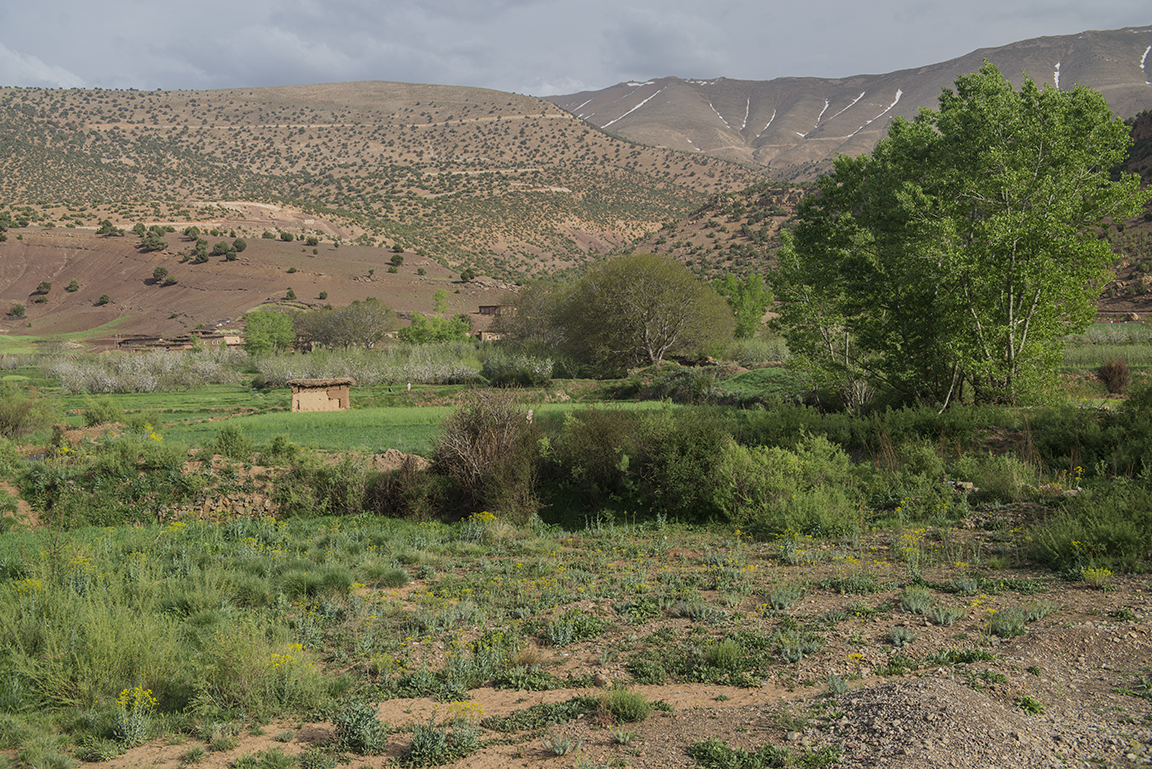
pixel 1056 75
pixel 638 106
pixel 616 101
pixel 720 116
pixel 805 135
pixel 899 93
pixel 765 128
pixel 850 106
pixel 747 109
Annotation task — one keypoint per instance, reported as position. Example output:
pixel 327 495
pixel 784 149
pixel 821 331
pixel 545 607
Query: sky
pixel 537 47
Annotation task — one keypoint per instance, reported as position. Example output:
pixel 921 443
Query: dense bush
pixel 506 369
pixel 662 462
pixel 104 411
pixel 231 442
pixel 23 411
pixel 592 455
pixel 1115 375
pixel 770 490
pixel 314 487
pixel 1107 525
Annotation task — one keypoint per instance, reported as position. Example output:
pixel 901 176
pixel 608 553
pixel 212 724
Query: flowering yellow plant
pixel 465 712
pixel 136 700
pixel 1100 579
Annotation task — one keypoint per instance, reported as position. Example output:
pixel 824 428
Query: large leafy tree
pixel 360 324
pixel 640 308
pixel 267 332
pixel 748 298
pixel 963 248
pixel 426 329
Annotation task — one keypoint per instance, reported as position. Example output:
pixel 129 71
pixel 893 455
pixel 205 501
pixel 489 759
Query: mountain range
pixel 796 125
pixel 452 179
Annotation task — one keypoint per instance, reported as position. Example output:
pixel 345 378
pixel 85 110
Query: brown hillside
pixel 509 184
pixel 214 295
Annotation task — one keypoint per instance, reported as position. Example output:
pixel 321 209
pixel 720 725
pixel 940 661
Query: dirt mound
pixel 938 723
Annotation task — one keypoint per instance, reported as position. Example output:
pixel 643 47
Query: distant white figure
pixel 409 387
pixel 529 416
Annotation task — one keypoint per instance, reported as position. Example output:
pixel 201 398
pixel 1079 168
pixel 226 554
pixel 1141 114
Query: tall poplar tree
pixel 956 256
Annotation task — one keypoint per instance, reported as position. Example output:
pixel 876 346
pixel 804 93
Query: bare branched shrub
pixel 487 446
pixel 1115 375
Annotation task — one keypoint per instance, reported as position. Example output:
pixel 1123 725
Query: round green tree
pixel 638 309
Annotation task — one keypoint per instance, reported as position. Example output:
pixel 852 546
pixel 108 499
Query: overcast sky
pixel 538 47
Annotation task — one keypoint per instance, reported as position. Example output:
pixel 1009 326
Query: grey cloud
pixel 24 69
pixel 528 46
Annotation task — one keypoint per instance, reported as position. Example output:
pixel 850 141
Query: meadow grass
pixel 767 382
pixel 411 429
pixel 37 343
pixel 1105 342
pixel 1092 356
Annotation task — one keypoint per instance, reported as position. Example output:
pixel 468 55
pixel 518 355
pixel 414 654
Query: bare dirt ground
pixel 1072 691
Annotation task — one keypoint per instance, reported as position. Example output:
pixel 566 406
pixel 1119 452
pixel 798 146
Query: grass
pixel 766 382
pixel 1105 342
pixel 272 618
pixel 292 618
pixel 21 344
pixel 410 429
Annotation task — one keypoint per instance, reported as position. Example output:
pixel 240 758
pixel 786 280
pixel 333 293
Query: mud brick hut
pixel 321 394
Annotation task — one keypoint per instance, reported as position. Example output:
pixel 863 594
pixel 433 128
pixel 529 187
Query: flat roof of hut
pixel 321 394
